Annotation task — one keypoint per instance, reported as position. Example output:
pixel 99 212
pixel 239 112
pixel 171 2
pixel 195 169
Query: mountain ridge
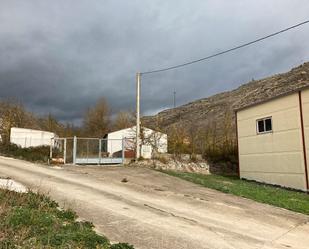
pixel 213 110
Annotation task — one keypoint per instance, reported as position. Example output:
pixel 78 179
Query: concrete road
pixel 156 211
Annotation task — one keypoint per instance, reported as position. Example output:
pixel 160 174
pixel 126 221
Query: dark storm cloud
pixel 61 56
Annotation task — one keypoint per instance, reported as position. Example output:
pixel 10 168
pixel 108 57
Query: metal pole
pixel 87 151
pixel 138 122
pixel 111 156
pixel 74 149
pixel 51 149
pixel 100 149
pixel 65 151
pixel 123 150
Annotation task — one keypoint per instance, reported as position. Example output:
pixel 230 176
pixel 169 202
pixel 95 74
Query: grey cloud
pixel 61 56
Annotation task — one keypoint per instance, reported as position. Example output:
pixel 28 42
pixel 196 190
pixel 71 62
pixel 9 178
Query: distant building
pixel 273 140
pixel 150 140
pixel 26 138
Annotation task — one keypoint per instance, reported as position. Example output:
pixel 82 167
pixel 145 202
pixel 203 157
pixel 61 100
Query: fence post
pixel 65 151
pixel 87 150
pixel 74 149
pixel 111 155
pixel 123 152
pixel 100 149
pixel 51 149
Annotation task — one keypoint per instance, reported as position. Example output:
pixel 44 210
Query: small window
pixel 261 127
pixel 268 125
pixel 264 125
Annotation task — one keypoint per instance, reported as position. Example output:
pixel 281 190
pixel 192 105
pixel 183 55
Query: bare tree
pixel 154 138
pixel 50 123
pixel 97 119
pixel 178 140
pixel 193 134
pixel 13 114
pixel 124 120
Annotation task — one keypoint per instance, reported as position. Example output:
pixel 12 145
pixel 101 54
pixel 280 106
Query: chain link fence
pixel 79 150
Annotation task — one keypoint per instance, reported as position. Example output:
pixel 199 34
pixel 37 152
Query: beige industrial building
pixel 272 139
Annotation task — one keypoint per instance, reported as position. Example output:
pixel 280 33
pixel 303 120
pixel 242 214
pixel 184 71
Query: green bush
pixel 121 246
pixel 33 154
pixel 222 153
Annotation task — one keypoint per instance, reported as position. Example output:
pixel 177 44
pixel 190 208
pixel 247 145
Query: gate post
pixel 123 152
pixel 100 149
pixel 74 149
pixel 65 151
pixel 51 149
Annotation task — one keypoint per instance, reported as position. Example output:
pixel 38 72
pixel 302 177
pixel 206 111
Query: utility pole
pixel 174 99
pixel 138 122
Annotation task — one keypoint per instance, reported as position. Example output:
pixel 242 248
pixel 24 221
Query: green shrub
pixel 68 215
pixel 121 246
pixel 222 153
pixel 19 217
pixel 34 154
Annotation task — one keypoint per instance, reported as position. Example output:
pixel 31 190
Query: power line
pixel 226 51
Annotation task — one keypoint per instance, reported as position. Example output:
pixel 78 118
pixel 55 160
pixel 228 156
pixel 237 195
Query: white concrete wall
pixel 275 157
pixel 30 138
pixel 130 134
pixel 115 139
pixel 305 103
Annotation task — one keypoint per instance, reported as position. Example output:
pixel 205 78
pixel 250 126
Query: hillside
pixel 213 111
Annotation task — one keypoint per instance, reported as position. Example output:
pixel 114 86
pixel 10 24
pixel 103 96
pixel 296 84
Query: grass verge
pixel 276 196
pixel 30 220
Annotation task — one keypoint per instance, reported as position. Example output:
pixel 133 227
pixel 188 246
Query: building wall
pixel 30 138
pixel 276 157
pixel 130 133
pixel 305 104
pixel 115 139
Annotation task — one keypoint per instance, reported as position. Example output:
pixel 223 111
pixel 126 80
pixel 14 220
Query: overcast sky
pixel 60 56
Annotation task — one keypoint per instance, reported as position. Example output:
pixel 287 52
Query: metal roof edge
pixel 272 98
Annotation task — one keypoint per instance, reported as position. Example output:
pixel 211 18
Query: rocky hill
pixel 212 111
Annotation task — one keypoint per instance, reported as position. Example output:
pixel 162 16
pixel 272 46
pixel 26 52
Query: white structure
pixel 273 139
pixel 30 138
pixel 150 140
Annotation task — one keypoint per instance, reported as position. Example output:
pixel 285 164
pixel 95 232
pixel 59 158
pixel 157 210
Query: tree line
pixel 97 120
pixel 212 141
pixel 215 142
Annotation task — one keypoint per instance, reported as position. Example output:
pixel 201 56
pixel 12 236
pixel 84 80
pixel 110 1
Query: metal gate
pixel 79 150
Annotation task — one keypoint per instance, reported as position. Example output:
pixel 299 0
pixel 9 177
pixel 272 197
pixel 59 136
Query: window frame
pixel 264 123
